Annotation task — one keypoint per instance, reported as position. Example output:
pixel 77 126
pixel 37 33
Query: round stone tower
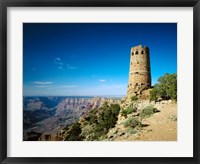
pixel 139 73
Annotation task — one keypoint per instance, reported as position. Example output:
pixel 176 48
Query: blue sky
pixel 91 59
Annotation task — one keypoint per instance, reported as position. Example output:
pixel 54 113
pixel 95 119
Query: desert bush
pixel 108 118
pixel 96 124
pixel 134 98
pixel 105 105
pixel 73 134
pixel 86 131
pixel 173 118
pixel 128 110
pixel 147 111
pixel 132 130
pixel 132 122
pixel 115 108
pixel 99 122
pixel 92 118
pixel 153 95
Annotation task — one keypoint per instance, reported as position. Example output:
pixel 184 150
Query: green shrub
pixel 73 134
pixel 101 121
pixel 115 109
pixel 134 98
pixel 128 110
pixel 132 122
pixel 173 118
pixel 105 105
pixel 86 131
pixel 132 131
pixel 166 88
pixel 96 124
pixel 148 111
pixel 153 95
pixel 92 118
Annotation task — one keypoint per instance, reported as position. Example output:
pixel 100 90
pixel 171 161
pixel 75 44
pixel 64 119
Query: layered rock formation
pixel 44 117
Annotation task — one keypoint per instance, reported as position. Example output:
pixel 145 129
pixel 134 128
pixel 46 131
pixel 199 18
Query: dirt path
pixel 162 125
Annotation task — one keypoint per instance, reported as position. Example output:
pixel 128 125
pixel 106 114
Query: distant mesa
pixel 139 72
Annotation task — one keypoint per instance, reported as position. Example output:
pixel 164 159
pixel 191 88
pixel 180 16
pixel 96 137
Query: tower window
pixel 136 52
pixel 137 62
pixel 132 53
pixel 142 52
pixel 131 63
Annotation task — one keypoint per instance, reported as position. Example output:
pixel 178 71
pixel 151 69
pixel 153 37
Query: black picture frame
pixel 98 3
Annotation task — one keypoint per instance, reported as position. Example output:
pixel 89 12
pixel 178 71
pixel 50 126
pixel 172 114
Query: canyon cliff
pixel 44 117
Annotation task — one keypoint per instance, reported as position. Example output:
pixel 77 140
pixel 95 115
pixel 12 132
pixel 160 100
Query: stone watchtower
pixel 139 73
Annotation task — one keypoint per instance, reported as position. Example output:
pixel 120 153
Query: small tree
pixel 153 95
pixel 166 88
pixel 73 134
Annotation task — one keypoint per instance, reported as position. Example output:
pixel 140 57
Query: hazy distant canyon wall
pixel 46 116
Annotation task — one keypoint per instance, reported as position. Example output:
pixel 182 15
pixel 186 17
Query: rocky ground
pixel 161 126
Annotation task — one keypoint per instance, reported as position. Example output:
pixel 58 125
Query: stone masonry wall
pixel 139 73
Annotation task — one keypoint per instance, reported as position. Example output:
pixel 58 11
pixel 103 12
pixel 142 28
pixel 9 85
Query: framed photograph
pixel 99 81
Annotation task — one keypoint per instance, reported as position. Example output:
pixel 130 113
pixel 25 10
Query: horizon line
pixel 73 96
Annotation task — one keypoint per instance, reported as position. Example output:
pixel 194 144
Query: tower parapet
pixel 139 72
